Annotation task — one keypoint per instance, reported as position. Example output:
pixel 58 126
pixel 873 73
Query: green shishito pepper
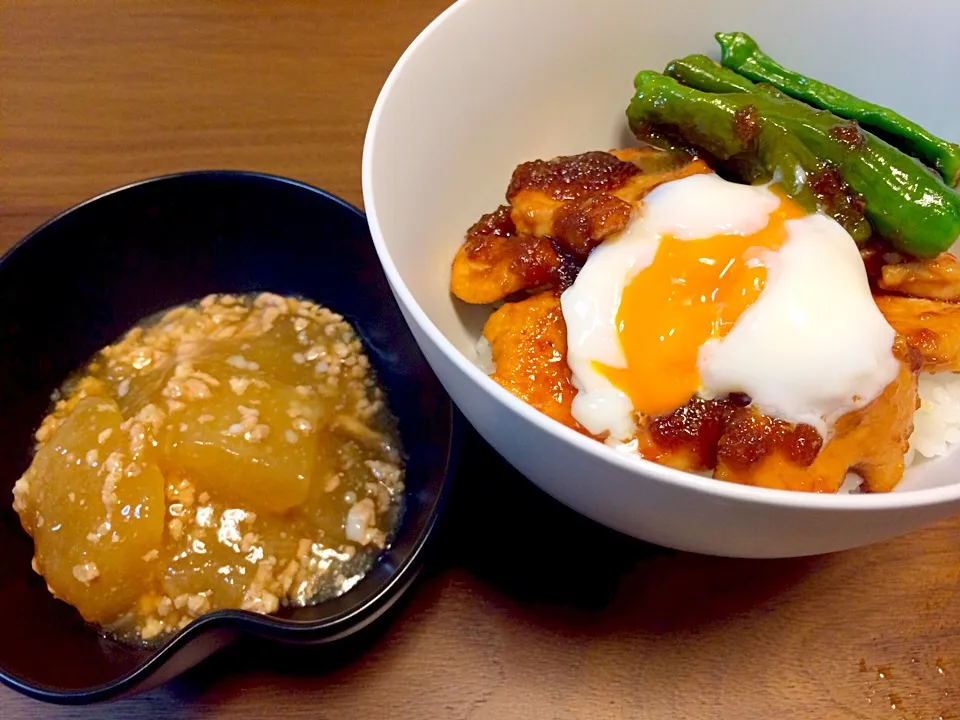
pixel 815 185
pixel 777 154
pixel 741 53
pixel 905 203
pixel 702 73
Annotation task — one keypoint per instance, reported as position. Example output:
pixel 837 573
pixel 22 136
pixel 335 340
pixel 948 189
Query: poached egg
pixel 717 288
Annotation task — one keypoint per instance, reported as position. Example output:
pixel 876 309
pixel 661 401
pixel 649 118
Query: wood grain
pixel 530 611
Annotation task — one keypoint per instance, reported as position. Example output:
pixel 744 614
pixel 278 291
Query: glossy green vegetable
pixel 702 73
pixel 904 202
pixel 742 54
pixel 778 154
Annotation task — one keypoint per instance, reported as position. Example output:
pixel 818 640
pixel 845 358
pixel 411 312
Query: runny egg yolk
pixel 692 292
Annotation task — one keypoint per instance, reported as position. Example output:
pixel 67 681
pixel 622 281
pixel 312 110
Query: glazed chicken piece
pixel 727 432
pixel 687 438
pixel 742 445
pixel 870 442
pixel 582 199
pixel 528 341
pixel 495 262
pixel 559 209
pixel 935 279
pixel 930 326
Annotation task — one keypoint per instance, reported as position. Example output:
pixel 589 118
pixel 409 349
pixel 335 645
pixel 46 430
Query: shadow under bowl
pixel 83 279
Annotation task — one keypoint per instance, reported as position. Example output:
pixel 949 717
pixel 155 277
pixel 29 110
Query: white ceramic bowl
pixel 492 83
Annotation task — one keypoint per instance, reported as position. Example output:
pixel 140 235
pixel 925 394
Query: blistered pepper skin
pixel 742 54
pixel 702 73
pixel 785 158
pixel 905 203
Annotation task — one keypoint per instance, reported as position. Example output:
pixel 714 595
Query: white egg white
pixel 813 346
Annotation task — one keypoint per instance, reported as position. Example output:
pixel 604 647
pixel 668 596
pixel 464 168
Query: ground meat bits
pixel 572 176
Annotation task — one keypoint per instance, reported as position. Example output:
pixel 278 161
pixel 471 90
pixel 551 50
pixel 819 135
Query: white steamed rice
pixel 936 424
pixel 485 356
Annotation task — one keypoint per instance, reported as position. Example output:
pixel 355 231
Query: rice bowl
pixel 415 233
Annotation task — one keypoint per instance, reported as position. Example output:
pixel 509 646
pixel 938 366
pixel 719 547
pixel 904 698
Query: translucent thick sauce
pixel 235 454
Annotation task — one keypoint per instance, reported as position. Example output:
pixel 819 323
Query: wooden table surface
pixel 528 611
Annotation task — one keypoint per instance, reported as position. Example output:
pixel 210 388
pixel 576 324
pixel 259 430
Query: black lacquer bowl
pixel 80 281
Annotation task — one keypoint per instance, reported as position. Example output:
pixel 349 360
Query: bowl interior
pixel 478 93
pixel 82 280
